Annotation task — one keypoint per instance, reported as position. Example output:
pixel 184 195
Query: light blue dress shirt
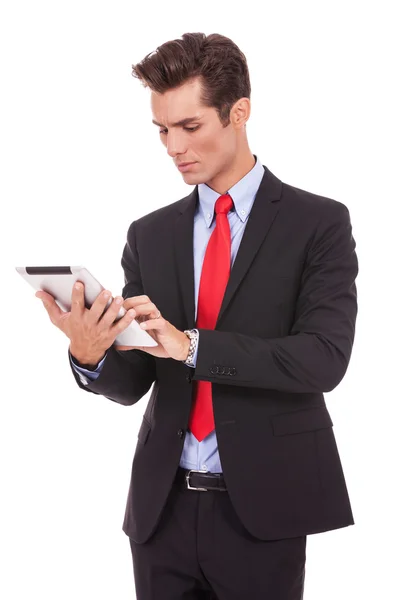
pixel 204 455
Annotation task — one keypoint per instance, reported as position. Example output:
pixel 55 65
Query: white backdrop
pixel 80 160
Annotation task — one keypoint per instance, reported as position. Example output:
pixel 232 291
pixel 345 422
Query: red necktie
pixel 214 278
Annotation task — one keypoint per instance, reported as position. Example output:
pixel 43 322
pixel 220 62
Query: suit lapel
pixel 263 212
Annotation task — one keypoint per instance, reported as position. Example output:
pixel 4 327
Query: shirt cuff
pixel 85 375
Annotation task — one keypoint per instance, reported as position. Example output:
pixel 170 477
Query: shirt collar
pixel 242 194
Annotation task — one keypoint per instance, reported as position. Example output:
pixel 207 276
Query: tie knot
pixel 223 204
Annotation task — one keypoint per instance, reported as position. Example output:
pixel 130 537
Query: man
pixel 254 313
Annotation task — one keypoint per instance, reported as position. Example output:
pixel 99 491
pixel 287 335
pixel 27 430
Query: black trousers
pixel 200 550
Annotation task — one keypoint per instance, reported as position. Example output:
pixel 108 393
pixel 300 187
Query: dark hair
pixel 217 60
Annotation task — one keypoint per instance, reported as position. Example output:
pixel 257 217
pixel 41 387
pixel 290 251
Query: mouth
pixel 186 166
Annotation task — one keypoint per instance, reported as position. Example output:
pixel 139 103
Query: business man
pixel 248 286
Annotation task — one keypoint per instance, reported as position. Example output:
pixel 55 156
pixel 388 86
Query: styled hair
pixel 216 59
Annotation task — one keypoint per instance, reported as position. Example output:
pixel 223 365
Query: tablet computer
pixel 59 281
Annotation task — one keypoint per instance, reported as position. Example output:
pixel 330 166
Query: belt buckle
pixel 189 487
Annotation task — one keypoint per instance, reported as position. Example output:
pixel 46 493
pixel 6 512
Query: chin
pixel 192 178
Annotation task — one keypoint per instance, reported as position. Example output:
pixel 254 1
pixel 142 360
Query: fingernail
pixel 78 286
pixel 143 325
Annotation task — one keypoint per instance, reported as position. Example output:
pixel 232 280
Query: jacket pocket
pixel 299 421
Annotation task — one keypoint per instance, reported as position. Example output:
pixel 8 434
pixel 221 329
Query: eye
pixel 191 129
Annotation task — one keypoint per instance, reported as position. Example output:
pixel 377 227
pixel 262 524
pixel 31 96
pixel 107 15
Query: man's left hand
pixel 172 343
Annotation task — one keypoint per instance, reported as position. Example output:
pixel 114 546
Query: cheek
pixel 209 144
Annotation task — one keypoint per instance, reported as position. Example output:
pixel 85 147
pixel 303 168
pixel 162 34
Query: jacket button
pixel 181 433
pixel 188 378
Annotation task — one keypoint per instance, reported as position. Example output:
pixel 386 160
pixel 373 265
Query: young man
pixel 254 313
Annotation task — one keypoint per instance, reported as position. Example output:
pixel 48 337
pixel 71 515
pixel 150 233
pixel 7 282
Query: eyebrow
pixel 180 123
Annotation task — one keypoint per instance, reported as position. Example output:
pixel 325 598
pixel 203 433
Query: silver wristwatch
pixel 193 335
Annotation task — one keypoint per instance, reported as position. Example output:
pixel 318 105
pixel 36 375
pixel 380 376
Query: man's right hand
pixel 90 333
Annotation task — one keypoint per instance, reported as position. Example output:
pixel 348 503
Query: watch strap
pixel 193 335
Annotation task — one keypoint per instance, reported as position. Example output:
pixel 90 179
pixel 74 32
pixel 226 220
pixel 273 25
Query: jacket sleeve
pixel 126 375
pixel 315 355
pixel 121 379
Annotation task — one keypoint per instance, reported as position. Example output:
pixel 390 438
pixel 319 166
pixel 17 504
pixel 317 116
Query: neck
pixel 222 182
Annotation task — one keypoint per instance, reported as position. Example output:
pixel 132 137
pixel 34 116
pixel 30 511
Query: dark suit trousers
pixel 200 550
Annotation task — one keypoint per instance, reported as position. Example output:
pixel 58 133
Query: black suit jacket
pixel 284 336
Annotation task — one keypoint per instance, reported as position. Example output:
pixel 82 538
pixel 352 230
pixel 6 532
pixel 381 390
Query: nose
pixel 175 144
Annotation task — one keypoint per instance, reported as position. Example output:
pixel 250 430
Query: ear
pixel 240 112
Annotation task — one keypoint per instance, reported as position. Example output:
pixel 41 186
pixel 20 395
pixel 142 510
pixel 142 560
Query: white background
pixel 80 160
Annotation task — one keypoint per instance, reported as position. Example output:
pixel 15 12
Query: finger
pixel 53 310
pixel 99 306
pixel 129 303
pixel 154 323
pixel 112 312
pixel 134 301
pixel 122 323
pixel 78 299
pixel 147 310
pixel 44 296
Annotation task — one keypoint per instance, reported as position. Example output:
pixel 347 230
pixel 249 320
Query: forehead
pixel 178 103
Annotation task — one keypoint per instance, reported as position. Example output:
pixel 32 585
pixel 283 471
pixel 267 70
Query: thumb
pixel 118 347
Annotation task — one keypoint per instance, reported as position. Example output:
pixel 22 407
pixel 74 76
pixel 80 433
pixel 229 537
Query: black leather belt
pixel 200 480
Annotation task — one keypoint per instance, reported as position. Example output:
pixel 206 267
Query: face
pixel 193 133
